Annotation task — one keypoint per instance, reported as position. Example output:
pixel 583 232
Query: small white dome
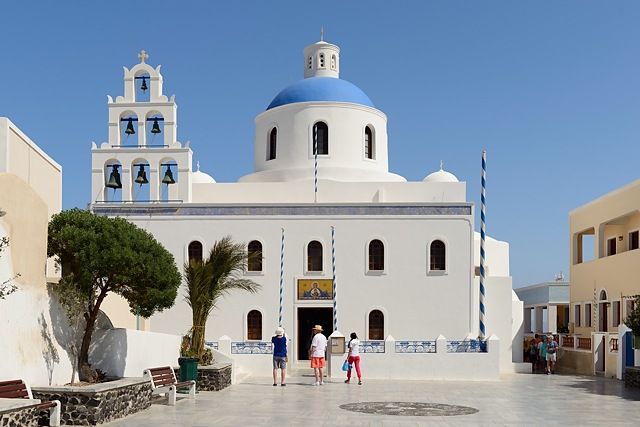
pixel 198 177
pixel 441 176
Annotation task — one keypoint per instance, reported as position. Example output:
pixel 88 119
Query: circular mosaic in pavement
pixel 409 409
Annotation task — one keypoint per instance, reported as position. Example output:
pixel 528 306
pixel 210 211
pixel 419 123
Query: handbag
pixel 346 366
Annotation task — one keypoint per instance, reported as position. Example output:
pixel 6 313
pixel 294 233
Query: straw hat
pixel 279 331
pixel 317 328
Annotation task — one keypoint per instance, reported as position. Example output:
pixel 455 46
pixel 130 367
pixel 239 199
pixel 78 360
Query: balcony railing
pixel 567 341
pixel 584 343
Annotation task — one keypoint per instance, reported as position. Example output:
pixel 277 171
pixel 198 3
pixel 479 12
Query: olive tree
pixel 6 286
pixel 101 255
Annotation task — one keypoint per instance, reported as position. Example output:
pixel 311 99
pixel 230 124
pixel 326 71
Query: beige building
pixel 33 328
pixel 605 267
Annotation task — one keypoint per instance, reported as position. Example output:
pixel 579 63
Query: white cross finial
pixel 321 34
pixel 440 164
pixel 198 165
pixel 142 55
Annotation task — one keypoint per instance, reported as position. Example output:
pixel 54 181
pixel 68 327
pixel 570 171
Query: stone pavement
pixel 515 400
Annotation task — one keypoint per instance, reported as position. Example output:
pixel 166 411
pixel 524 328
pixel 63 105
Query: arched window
pixel 310 62
pixel 368 143
pixel 321 138
pixel 376 325
pixel 322 60
pixel 333 62
pixel 254 325
pixel 437 255
pixel 603 295
pixel 195 251
pixel 254 249
pixel 314 256
pixel 273 139
pixel 376 255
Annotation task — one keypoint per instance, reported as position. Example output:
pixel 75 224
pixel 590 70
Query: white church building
pixel 345 243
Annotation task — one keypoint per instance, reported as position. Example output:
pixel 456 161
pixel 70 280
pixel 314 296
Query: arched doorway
pixel 603 319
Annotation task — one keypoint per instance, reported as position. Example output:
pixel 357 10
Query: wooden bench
pixel 163 380
pixel 18 389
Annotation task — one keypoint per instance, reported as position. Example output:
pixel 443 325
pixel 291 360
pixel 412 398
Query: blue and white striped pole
pixel 482 237
pixel 333 266
pixel 315 170
pixel 281 277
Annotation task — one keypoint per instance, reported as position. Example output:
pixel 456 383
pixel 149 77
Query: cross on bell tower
pixel 142 55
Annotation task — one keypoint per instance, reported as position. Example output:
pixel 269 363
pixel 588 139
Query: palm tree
pixel 221 273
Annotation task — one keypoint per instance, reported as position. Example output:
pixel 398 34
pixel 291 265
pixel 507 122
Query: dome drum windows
pixel 320 139
pixel 273 143
pixel 368 143
pixel 321 60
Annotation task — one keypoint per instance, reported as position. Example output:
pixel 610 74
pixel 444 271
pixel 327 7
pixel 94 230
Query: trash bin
pixel 188 370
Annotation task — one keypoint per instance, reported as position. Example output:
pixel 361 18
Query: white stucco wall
pixel 411 298
pixel 127 353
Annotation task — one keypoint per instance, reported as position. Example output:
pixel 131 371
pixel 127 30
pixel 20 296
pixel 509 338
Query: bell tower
pixel 142 148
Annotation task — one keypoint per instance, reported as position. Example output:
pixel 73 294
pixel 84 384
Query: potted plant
pixel 188 360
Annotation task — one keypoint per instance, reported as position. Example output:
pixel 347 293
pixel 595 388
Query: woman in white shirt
pixel 354 358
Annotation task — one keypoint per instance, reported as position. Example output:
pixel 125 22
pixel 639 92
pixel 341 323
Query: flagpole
pixel 482 238
pixel 315 170
pixel 281 277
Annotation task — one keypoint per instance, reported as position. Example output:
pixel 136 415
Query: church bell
pixel 156 127
pixel 168 177
pixel 130 130
pixel 142 176
pixel 114 179
pixel 143 86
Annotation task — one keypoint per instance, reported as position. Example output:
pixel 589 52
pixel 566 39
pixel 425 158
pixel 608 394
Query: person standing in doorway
pixel 353 358
pixel 317 354
pixel 279 341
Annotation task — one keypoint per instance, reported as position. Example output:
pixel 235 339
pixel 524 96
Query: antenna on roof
pixel 560 277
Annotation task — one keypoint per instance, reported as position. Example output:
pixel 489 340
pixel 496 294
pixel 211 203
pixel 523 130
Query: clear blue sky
pixel 550 89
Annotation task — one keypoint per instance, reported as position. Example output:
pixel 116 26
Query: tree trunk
pixel 83 359
pixel 197 335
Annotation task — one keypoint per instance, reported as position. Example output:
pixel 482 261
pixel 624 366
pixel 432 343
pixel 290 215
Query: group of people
pixel 541 351
pixel 317 357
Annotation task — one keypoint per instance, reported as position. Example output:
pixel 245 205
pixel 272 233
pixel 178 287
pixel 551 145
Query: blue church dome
pixel 321 89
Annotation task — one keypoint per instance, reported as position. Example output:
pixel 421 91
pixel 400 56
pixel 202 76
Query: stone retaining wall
pixel 99 403
pixel 632 377
pixel 211 378
pixel 214 378
pixel 19 417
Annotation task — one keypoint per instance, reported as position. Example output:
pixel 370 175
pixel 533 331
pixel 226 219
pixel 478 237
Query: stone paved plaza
pixel 515 400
